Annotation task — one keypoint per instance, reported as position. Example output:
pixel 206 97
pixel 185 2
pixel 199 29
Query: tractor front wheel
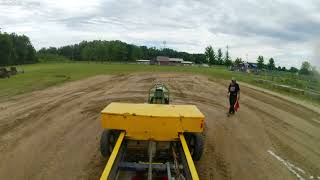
pixel 108 141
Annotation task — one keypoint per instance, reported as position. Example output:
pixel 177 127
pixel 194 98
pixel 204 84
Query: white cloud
pixel 283 29
pixel 316 52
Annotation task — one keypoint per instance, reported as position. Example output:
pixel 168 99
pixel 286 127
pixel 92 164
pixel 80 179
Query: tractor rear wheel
pixel 108 141
pixel 195 145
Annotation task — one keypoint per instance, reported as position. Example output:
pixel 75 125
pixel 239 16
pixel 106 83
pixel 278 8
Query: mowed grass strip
pixel 43 75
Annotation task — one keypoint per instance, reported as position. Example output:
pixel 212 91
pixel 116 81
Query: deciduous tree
pixel 238 61
pixel 305 68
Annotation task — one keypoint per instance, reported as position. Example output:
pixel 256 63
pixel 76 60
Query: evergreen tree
pixel 219 57
pixel 284 68
pixel 210 55
pixel 227 59
pixel 271 65
pixel 260 62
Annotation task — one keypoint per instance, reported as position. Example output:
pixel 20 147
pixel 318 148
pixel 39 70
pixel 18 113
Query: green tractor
pixel 159 94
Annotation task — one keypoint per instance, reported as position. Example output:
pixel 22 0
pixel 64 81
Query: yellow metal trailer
pixel 157 125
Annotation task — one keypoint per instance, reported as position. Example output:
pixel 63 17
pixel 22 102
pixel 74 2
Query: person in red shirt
pixel 234 95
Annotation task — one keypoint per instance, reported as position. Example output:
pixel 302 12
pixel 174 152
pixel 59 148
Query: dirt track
pixel 54 133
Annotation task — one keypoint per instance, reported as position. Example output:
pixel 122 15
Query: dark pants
pixel 232 100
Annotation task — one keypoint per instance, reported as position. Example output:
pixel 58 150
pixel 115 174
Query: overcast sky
pixel 288 30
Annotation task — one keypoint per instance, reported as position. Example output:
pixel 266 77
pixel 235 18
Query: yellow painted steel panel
pixel 190 162
pixel 112 158
pixel 152 121
pixel 157 110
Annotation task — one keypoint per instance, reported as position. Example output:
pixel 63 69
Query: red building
pixel 160 60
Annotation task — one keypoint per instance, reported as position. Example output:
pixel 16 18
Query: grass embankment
pixel 40 76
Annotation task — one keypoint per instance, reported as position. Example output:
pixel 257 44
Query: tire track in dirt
pixel 54 133
pixel 290 107
pixel 44 118
pixel 276 127
pixel 39 115
pixel 37 119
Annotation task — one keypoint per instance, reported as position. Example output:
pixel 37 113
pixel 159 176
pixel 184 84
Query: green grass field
pixel 43 75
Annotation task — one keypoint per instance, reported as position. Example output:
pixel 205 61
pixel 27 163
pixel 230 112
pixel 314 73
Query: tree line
pixel 214 58
pixel 16 49
pixel 110 51
pixel 305 69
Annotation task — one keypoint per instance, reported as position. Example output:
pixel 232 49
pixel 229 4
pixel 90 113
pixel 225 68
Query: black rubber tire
pixel 108 141
pixel 195 145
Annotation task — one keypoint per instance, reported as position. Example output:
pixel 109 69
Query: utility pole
pixel 164 44
pixel 72 52
pixel 227 54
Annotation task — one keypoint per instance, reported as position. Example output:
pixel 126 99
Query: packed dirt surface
pixel 54 133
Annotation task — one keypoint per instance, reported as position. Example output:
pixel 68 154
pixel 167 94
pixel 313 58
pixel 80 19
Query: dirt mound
pixel 54 133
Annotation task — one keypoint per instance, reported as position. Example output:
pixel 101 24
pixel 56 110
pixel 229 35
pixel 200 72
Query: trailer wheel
pixel 195 145
pixel 108 141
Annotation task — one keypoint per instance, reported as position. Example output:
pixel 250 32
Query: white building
pixel 143 61
pixel 187 63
